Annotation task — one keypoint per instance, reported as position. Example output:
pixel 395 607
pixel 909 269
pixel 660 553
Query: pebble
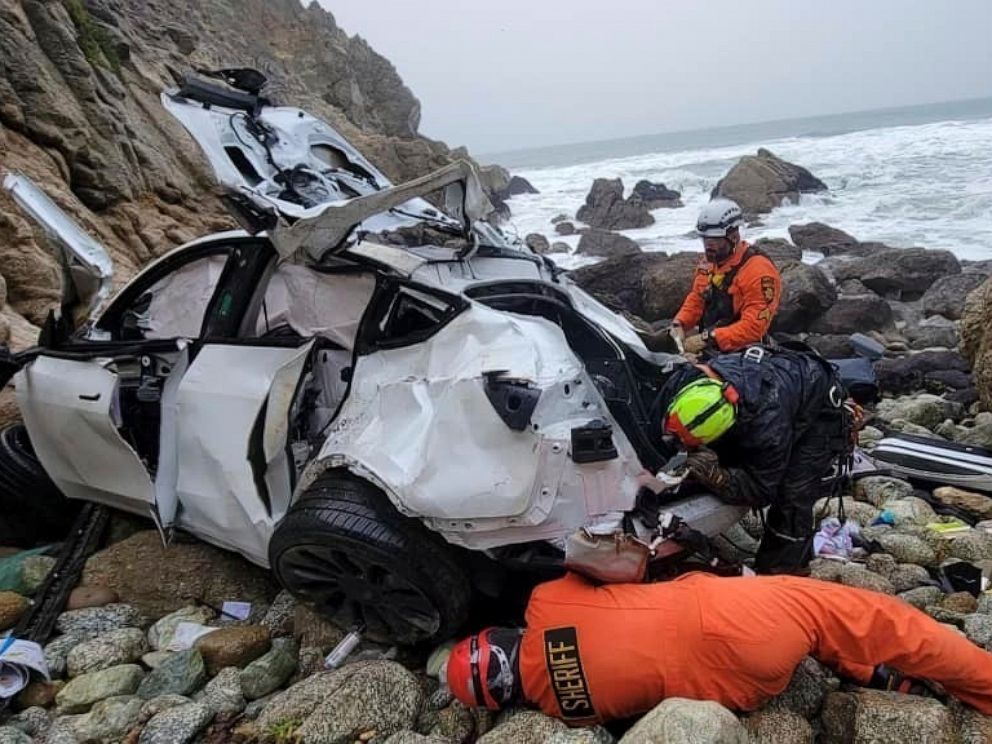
pixel 161 632
pixel 109 719
pixel 34 571
pixel 271 670
pixel 86 689
pixel 962 602
pixel 176 725
pixel 96 620
pixel 121 646
pixel 180 674
pixel 12 606
pixel 279 617
pixel 235 646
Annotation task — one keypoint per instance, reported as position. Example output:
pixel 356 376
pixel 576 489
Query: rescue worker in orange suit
pixel 735 292
pixel 596 653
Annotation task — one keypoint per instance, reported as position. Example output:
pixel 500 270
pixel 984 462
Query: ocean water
pixel 917 176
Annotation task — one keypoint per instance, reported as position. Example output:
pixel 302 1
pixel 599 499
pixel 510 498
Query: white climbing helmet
pixel 717 217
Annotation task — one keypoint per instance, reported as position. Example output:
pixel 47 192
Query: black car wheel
pixel 343 549
pixel 32 509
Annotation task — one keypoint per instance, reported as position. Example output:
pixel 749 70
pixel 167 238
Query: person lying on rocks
pixel 763 427
pixel 591 654
pixel 735 291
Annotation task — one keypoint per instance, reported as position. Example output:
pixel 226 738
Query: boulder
pixel 779 250
pixel 868 716
pixel 947 295
pixel 977 505
pixel 532 727
pixel 978 628
pixel 907 576
pixel 560 247
pixel 161 632
pixel 962 602
pixel 32 721
pixel 605 207
pixel 618 282
pixel 12 735
pixel 933 332
pixel 279 617
pixel 759 183
pixel 108 720
pixel 976 339
pixel 859 577
pixel 681 721
pixel 516 186
pixel 820 238
pixel 565 228
pixel 93 621
pixel 881 563
pixel 181 674
pixel 223 694
pixel 879 489
pixel 854 314
pixel 808 688
pixel 666 285
pixel 157 704
pixel 908 549
pixel 924 371
pixel 901 273
pixel 121 646
pixel 910 511
pixel 560 217
pixel 656 195
pixel 12 606
pixel 90 596
pixel 607 244
pixel 922 596
pixel 974 545
pixel 771 727
pixel 537 243
pixel 234 646
pixel 831 345
pixel 158 580
pixel 806 295
pixel 270 671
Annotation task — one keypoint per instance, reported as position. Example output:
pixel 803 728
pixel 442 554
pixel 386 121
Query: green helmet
pixel 702 412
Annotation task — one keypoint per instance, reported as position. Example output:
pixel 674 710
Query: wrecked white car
pixel 375 397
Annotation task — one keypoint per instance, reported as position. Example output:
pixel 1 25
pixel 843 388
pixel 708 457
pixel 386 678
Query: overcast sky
pixel 521 73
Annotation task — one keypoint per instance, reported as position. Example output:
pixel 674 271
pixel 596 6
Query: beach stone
pixel 80 693
pixel 681 721
pixel 97 620
pixel 656 195
pixel 926 410
pixel 12 735
pixel 181 674
pixel 310 661
pixel 808 688
pixel 533 727
pixel 109 719
pixel 971 546
pixel 565 228
pixel 864 716
pixel 121 646
pixel 910 510
pixel 906 576
pixel 412 737
pixel 312 630
pixel 978 628
pixel 90 596
pixel 878 489
pixel 280 615
pixel 161 632
pixel 825 569
pixel 947 295
pixel 971 726
pixel 380 695
pixel 607 244
pixel 454 724
pixel 57 651
pixel 159 703
pixel 35 570
pixel 270 670
pixel 908 549
pixel 60 732
pixel 154 659
pixel 158 580
pixel 882 564
pixel 960 602
pixel 176 725
pixel 12 606
pixel 33 721
pixel 948 617
pixel 234 646
pixel 985 603
pixel 782 727
pixel 976 504
pixel 821 238
pixel 605 207
pixel 854 314
pixel 806 294
pixel 537 243
pixel 856 511
pixel 39 693
pixel 922 597
pixel 223 693
pixel 858 576
pixel 761 182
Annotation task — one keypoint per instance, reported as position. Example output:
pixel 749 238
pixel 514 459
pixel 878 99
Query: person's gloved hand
pixel 704 466
pixel 695 344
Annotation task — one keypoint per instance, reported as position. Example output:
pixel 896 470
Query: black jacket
pixel 781 398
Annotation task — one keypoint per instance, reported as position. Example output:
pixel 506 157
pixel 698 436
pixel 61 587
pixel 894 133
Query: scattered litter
pixel 12 566
pixel 886 517
pixel 17 660
pixel 236 610
pixel 341 652
pixel 950 528
pixel 186 634
pixel 836 540
pixel 964 577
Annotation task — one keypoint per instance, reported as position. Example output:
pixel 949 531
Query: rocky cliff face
pixel 79 113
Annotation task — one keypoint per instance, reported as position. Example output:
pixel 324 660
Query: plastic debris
pixel 835 539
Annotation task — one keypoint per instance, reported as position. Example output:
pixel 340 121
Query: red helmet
pixel 482 669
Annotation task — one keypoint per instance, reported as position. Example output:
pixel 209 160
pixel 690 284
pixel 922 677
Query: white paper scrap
pixel 237 610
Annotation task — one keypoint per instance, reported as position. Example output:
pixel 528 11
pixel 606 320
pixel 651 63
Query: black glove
pixel 704 467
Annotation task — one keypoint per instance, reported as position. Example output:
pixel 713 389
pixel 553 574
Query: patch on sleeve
pixel 768 288
pixel 568 680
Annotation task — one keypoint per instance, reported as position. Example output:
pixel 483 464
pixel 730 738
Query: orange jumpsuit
pixel 594 654
pixel 755 290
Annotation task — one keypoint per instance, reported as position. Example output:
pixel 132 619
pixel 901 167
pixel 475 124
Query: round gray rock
pixel 176 725
pixel 181 674
pixel 878 489
pixel 121 646
pixel 93 621
pixel 80 693
pixel 681 721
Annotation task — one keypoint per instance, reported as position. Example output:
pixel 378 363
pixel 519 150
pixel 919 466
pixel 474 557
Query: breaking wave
pixel 924 185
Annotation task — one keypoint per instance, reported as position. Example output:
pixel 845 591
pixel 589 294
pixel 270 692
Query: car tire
pixel 32 509
pixel 344 550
